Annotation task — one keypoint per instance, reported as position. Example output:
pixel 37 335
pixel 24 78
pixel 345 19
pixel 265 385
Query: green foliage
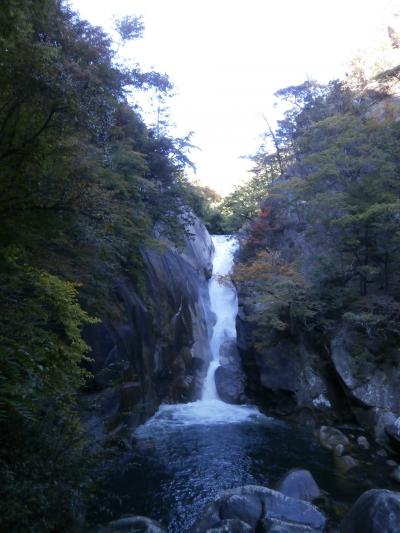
pixel 206 204
pixel 83 184
pixel 245 202
pixel 277 293
pixel 333 213
pixel 42 469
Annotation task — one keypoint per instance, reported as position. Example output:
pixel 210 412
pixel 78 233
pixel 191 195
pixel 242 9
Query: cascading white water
pixel 186 454
pixel 210 409
pixel 223 301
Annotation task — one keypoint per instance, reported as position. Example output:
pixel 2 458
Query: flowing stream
pixel 187 453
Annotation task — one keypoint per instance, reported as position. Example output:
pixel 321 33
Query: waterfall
pixel 210 410
pixel 224 304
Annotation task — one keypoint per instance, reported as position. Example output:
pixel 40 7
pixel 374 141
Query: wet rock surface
pixel 230 385
pixel 376 511
pixel 230 379
pixel 156 348
pixel 393 433
pixel 331 437
pixel 231 526
pixel 133 524
pixel 299 484
pixel 261 507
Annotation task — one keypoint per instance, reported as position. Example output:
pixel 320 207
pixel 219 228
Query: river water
pixel 187 453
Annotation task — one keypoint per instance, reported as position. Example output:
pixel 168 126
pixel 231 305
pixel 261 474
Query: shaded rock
pixel 131 395
pixel 230 384
pixel 378 420
pixel 375 511
pixel 152 349
pixel 372 384
pixel 299 484
pixel 393 434
pixel 396 475
pixel 245 507
pixel 363 443
pixel 277 526
pixel 331 437
pixel 371 387
pixel 229 354
pixel 382 453
pixel 345 463
pixel 339 449
pixel 231 526
pixel 262 504
pixel 134 524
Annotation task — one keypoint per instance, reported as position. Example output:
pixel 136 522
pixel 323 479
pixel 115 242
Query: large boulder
pixel 230 384
pixel 231 526
pixel 136 524
pixel 330 438
pixel 256 506
pixel 371 386
pixel 229 353
pixel 154 347
pixel 376 511
pixel 230 380
pixel 286 374
pixel 299 484
pixel 393 433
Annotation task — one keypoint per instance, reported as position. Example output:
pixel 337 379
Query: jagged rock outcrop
pixel 289 376
pixel 262 509
pixel 156 348
pixel 340 375
pixel 371 385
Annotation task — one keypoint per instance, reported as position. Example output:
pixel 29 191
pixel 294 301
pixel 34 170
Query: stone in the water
pixel 229 382
pixel 382 453
pixel 253 504
pixel 246 507
pixel 299 484
pixel 390 462
pixel 231 526
pixel 136 524
pixel 363 443
pixel 229 354
pixel 345 463
pixel 375 511
pixel 339 449
pixel 331 437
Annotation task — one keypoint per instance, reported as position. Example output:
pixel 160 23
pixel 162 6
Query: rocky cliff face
pixel 156 349
pixel 290 377
pixel 314 383
pixel 342 375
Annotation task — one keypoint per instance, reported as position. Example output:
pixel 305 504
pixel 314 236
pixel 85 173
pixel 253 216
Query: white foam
pixel 223 300
pixel 202 412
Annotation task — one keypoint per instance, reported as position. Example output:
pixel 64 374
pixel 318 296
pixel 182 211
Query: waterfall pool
pixel 188 453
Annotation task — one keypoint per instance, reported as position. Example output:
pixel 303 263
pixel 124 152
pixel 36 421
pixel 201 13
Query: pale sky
pixel 226 58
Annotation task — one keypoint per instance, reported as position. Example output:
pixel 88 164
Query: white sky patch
pixel 226 58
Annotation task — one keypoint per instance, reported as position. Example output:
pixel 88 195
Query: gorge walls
pixel 156 349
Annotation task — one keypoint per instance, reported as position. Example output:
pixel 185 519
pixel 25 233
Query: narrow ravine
pixel 187 453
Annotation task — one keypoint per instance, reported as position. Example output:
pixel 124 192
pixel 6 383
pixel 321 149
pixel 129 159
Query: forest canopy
pixel 84 182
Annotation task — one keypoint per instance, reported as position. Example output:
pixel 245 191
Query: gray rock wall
pixel 156 349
